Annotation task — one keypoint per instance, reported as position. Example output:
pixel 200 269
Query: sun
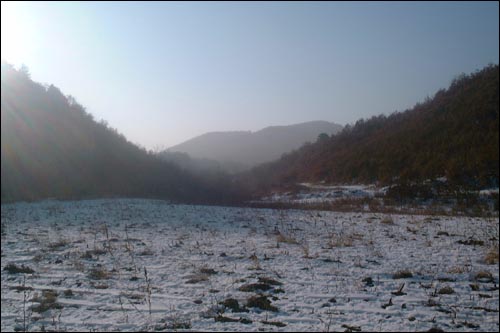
pixel 15 42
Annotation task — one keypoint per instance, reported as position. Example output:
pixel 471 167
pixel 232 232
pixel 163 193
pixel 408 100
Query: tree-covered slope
pixel 51 147
pixel 452 135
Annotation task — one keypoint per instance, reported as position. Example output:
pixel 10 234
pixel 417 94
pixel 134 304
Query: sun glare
pixel 15 41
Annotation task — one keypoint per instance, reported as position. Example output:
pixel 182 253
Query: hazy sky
pixel 162 73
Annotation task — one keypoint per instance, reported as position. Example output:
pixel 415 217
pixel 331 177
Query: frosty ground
pixel 133 264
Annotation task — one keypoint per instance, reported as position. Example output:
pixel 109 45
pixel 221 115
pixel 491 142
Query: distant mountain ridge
pixel 248 148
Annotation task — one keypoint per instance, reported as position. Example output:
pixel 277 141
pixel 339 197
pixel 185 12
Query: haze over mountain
pixel 244 149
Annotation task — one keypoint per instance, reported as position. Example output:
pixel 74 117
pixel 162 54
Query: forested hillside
pixel 53 148
pixel 452 135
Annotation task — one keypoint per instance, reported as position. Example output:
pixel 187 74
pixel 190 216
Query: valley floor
pixel 133 264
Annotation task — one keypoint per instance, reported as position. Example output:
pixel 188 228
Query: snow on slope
pixel 337 271
pixel 311 193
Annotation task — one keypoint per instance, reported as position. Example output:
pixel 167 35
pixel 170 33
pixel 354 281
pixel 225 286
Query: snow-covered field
pixel 311 193
pixel 128 264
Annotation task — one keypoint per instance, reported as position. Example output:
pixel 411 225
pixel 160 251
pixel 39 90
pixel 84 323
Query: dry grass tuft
pixel 261 302
pixel 14 269
pixel 197 278
pixel 402 274
pixel 387 220
pixel 483 276
pixel 281 238
pixel 99 273
pixel 340 240
pixel 47 301
pixel 447 290
pixel 491 257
